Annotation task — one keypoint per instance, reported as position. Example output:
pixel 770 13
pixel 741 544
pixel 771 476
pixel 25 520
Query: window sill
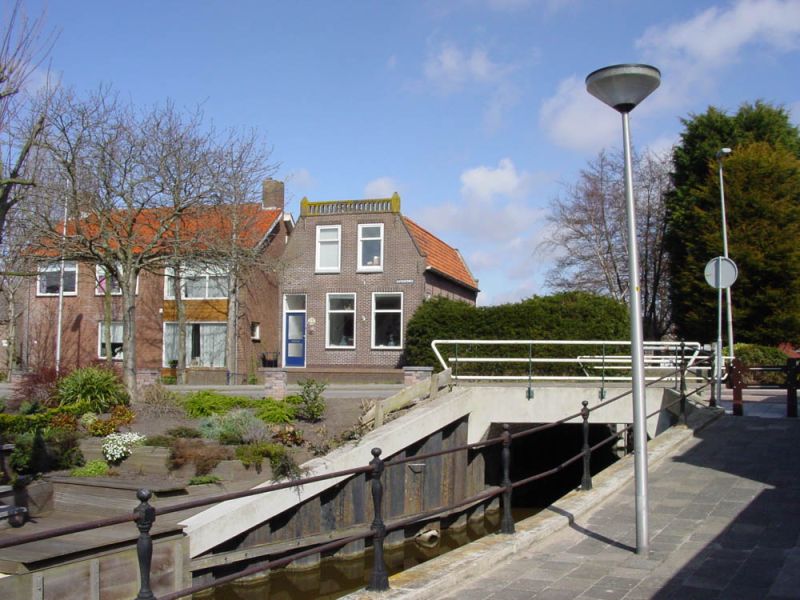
pixel 387 348
pixel 55 295
pixel 369 270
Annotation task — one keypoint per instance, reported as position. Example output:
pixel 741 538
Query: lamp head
pixel 623 87
pixel 723 152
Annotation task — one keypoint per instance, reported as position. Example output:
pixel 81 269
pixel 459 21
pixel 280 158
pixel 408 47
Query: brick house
pixel 206 299
pixel 354 273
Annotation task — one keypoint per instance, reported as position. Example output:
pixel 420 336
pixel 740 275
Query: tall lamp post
pixel 723 152
pixel 623 87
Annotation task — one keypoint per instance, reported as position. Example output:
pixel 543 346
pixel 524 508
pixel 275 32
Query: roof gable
pixel 439 256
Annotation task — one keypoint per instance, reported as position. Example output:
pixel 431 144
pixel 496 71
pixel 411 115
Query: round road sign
pixel 721 272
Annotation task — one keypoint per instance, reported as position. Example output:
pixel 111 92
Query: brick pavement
pixel 724 523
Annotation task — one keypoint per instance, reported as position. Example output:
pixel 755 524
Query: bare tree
pixel 23 47
pixel 105 158
pixel 589 235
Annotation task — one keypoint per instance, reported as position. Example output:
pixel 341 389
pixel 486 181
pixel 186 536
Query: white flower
pixel 118 446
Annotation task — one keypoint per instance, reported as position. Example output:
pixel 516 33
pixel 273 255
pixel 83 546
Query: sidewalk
pixel 723 521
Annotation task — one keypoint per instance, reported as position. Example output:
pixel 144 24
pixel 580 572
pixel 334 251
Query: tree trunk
pixel 129 330
pixel 180 315
pixel 231 337
pixel 107 321
pixel 11 350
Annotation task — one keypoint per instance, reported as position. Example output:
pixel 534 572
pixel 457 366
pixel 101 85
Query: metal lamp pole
pixel 720 155
pixel 623 87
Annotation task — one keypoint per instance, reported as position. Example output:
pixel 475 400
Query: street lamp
pixel 623 87
pixel 723 152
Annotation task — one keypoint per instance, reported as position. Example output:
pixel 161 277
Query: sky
pixel 474 111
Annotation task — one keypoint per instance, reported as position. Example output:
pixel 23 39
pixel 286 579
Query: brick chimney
pixel 272 194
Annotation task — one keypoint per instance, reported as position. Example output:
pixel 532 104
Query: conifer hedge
pixel 563 316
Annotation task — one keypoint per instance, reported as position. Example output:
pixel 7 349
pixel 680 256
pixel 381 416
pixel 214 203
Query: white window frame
pixel 100 341
pixel 318 243
pixel 328 313
pixel 376 311
pixel 188 324
pixel 188 272
pixel 255 331
pixel 55 267
pixel 361 239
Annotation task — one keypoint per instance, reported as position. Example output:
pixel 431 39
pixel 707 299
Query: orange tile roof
pixel 440 257
pixel 200 225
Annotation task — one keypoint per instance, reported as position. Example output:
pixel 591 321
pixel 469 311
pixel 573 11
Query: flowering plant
pixel 118 446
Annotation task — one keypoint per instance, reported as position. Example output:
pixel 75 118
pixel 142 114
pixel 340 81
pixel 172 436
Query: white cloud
pixel 716 36
pixel 301 179
pixel 450 69
pixel 484 183
pixel 504 98
pixel 382 187
pixel 573 119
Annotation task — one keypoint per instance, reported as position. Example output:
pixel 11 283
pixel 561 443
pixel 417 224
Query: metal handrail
pixel 144 514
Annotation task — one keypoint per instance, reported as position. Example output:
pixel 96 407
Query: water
pixel 335 577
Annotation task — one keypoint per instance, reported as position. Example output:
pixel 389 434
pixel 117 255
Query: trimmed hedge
pixel 564 316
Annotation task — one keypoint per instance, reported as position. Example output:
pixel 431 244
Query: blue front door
pixel 295 350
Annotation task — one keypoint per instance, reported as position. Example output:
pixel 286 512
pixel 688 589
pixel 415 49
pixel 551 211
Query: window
pixel 328 254
pixel 370 247
pixel 387 320
pixel 205 344
pixel 102 278
pixel 340 322
pixel 116 340
pixel 50 278
pixel 255 331
pixel 198 284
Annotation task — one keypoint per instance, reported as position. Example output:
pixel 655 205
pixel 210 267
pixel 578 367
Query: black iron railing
pixel 144 515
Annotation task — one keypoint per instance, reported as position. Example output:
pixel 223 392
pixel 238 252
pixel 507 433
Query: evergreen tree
pixel 762 191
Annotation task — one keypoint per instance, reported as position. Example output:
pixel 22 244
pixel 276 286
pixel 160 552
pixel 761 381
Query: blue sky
pixel 475 111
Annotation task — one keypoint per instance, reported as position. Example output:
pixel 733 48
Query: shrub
pixel 206 403
pixel 64 421
pixel 45 450
pixel 311 406
pixel 184 432
pixel 100 387
pixel 288 435
pixel 157 401
pixel 233 427
pixel 86 419
pixel 274 411
pixel 753 355
pixel 36 386
pixel 94 468
pixel 203 455
pixel 204 479
pixel 253 455
pixel 30 407
pixel 101 427
pixel 163 441
pixel 118 446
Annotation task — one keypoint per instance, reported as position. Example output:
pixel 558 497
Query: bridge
pixel 446 461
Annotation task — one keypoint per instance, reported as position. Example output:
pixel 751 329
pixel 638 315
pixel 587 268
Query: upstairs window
pixel 370 247
pixel 387 320
pixel 340 321
pixel 329 248
pixel 102 279
pixel 205 283
pixel 50 279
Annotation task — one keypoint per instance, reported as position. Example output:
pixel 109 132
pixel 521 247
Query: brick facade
pixel 405 270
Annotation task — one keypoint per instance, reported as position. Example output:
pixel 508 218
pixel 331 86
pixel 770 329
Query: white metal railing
pixel 608 363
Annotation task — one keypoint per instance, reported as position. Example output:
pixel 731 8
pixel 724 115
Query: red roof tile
pixel 440 257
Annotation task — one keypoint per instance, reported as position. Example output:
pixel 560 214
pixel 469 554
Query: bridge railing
pixel 145 514
pixel 565 360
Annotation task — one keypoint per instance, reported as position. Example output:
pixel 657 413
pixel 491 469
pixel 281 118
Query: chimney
pixel 272 194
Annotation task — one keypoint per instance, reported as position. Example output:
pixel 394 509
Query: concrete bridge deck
pixel 724 523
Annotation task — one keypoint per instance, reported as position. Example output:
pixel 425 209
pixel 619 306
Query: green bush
pixel 204 479
pixel 311 406
pixel 753 355
pixel 183 431
pixel 206 403
pixel 161 441
pixel 237 426
pixel 564 316
pixel 253 455
pixel 45 450
pixel 94 468
pixel 101 388
pixel 274 411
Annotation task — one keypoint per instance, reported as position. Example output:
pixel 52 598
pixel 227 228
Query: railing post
pixel 791 387
pixel 586 481
pixel 529 393
pixel 379 581
pixel 712 402
pixel 737 382
pixel 507 521
pixel 683 383
pixel 603 376
pixel 145 516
